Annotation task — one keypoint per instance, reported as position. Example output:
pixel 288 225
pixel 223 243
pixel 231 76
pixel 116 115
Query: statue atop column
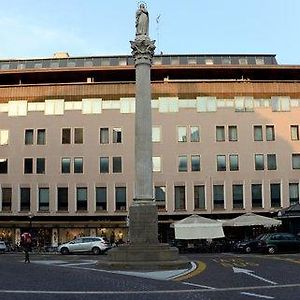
pixel 142 21
pixel 142 47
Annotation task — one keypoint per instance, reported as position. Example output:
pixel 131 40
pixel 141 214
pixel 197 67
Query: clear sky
pixel 38 28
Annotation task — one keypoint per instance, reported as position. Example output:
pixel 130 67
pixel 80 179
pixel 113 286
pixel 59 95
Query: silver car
pixel 3 247
pixel 93 244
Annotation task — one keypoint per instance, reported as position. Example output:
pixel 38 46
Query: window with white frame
pixel 156 164
pixel 199 196
pixel 294 132
pixel 179 197
pixel 43 199
pixel 155 134
pixel 4 133
pixel 182 134
pixel 232 133
pixel 117 135
pixel 182 163
pixel 195 134
pixel 296 161
pixel 220 133
pixel 218 196
pixel 294 193
pixel 160 197
pixel 221 162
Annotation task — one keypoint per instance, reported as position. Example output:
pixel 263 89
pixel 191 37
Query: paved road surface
pixel 220 276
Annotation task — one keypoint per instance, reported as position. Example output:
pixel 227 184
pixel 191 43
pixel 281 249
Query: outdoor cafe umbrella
pixel 250 219
pixel 196 227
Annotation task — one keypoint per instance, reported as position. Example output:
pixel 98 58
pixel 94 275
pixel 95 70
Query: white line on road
pixel 206 290
pixel 198 285
pixel 257 295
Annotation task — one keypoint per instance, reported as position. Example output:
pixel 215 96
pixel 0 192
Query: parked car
pixel 280 242
pixel 93 244
pixel 248 246
pixel 3 247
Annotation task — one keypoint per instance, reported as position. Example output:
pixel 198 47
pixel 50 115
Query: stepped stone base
pixel 144 257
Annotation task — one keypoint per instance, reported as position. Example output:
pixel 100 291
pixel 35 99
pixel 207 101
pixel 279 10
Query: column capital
pixel 142 50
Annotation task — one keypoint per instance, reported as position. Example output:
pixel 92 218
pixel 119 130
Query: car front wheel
pixel 64 251
pixel 96 250
pixel 271 250
pixel 248 249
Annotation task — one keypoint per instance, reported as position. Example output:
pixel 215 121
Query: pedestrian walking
pixel 26 251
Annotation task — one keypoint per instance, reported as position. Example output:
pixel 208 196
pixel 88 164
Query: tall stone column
pixel 143 212
pixel 144 251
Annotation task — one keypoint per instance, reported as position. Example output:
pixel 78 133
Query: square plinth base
pixel 144 257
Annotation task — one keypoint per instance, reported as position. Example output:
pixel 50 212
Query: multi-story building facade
pixel 225 141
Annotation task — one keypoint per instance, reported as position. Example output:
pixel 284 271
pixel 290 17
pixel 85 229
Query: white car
pixel 93 244
pixel 3 247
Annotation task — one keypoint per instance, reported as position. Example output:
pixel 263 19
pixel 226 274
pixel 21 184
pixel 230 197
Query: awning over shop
pixel 250 219
pixel 196 227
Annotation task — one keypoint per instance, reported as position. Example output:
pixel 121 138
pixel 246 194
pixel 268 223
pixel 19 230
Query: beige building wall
pixel 169 149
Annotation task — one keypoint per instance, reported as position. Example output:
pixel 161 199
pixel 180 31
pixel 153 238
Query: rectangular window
pixel 117 135
pixel 104 165
pixel 199 197
pixel 66 165
pixel 296 161
pixel 270 133
pixel 182 134
pixel 40 165
pixel 4 133
pixel 218 194
pixel 195 134
pixel 294 193
pixel 195 162
pixel 232 133
pixel 155 134
pixel 66 136
pixel 62 199
pixel 41 137
pixel 104 136
pixel 179 197
pixel 234 162
pixel 220 133
pixel 78 135
pixel 43 199
pixel 28 165
pixel 25 199
pixel 221 162
pixel 294 132
pixel 182 163
pixel 6 199
pixel 237 196
pixel 259 162
pixel 271 161
pixel 101 198
pixel 258 134
pixel 78 165
pixel 156 164
pixel 81 198
pixel 275 195
pixel 160 197
pixel 120 194
pixel 28 136
pixel 3 165
pixel 117 164
pixel 256 192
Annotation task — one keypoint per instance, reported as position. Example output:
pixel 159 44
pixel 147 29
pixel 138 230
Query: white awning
pixel 250 219
pixel 196 227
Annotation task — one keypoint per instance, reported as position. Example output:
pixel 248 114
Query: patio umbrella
pixel 196 227
pixel 250 219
